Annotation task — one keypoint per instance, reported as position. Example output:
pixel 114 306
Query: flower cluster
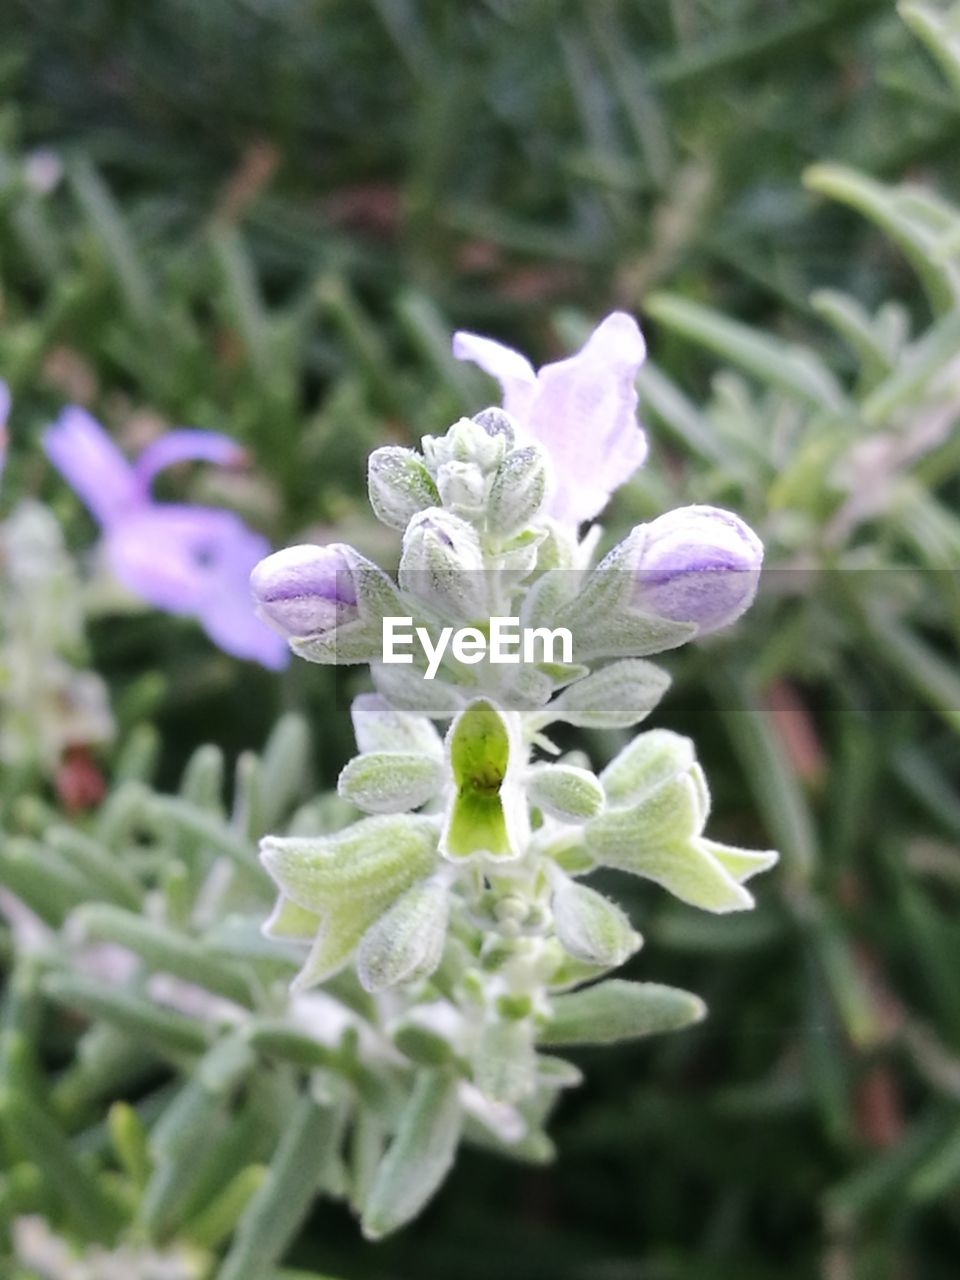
pixel 461 892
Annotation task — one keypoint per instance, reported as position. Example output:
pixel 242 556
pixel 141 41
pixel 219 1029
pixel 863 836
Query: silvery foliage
pixel 48 702
pixel 458 901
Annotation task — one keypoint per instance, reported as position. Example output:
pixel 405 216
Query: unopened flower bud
pixel 305 590
pixel 406 942
pixel 497 422
pixel 442 564
pixel 399 485
pixel 591 927
pixel 699 564
pixel 461 484
pixel 468 440
pixel 518 491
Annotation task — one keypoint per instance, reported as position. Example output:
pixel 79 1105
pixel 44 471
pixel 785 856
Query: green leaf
pixel 129 1140
pixel 795 370
pixel 280 1203
pixel 645 763
pixel 282 772
pixel 171 1032
pixel 939 31
pixel 615 697
pixel 858 330
pixel 618 1010
pixel 916 219
pixel 376 857
pixel 219 1219
pixel 110 225
pixel 766 769
pixel 915 371
pixel 94 1214
pixel 419 1158
pixel 166 950
pixel 505 1063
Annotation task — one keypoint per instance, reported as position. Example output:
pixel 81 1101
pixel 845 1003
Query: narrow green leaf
pixel 170 1032
pixel 619 1010
pixel 915 219
pixel 164 949
pixel 419 1157
pixel 795 370
pixel 94 1215
pixel 280 1203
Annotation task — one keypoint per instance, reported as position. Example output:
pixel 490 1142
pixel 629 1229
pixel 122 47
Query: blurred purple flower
pixel 4 412
pixel 581 410
pixel 185 559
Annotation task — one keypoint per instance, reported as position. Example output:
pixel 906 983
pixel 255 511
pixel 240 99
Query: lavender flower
pixel 698 564
pixel 306 590
pixel 4 412
pixel 185 559
pixel 582 410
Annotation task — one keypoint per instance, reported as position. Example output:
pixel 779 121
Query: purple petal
pixel 584 414
pixel 170 554
pixel 229 617
pixel 92 465
pixel 4 413
pixel 513 371
pixel 185 445
pixel 196 561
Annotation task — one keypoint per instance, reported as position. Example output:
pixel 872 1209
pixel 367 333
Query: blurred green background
pixel 267 218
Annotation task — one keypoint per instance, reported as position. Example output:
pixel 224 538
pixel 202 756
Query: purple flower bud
pixel 698 564
pixel 306 590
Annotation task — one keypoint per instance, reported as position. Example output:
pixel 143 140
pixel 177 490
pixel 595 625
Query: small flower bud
pixel 497 422
pixel 442 564
pixel 468 440
pixel 305 590
pixel 698 564
pixel 518 491
pixel 567 793
pixel 390 781
pixel 461 485
pixel 591 927
pixel 399 485
pixel 645 763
